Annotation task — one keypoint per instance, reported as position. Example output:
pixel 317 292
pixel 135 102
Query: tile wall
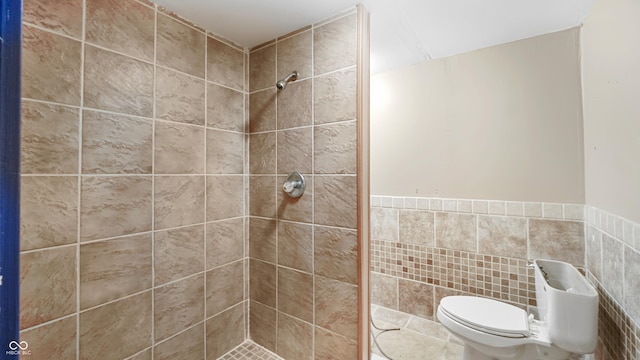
pixel 303 252
pixel 133 185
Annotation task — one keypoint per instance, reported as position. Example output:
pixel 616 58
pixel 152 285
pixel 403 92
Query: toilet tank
pixel 568 304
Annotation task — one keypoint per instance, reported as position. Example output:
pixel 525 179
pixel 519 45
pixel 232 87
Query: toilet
pixel 564 323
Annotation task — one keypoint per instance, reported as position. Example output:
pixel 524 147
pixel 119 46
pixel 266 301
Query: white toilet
pixel 564 323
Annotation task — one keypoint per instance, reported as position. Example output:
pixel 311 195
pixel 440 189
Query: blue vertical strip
pixel 10 51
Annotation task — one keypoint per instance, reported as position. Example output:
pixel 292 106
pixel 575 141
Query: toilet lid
pixel 486 315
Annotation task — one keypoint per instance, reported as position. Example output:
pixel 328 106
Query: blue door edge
pixel 10 72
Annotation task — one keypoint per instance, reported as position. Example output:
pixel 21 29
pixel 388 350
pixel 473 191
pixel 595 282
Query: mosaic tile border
pixel 488 207
pixel 249 350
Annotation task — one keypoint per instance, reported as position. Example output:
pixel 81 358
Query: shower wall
pixel 303 252
pixel 133 185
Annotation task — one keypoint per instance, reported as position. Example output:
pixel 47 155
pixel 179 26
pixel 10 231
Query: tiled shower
pixel 153 154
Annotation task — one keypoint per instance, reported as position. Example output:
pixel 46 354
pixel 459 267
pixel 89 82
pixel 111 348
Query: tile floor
pixel 249 350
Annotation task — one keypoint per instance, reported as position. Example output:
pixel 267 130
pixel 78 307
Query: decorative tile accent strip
pixel 491 207
pixel 498 277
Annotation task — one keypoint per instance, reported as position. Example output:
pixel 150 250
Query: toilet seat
pixel 487 315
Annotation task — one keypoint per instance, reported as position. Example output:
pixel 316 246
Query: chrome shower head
pixel 291 77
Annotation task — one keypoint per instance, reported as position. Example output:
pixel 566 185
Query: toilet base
pixel 470 353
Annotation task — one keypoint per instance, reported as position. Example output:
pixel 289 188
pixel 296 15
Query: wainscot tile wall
pixel 428 248
pixel 133 185
pixel 303 252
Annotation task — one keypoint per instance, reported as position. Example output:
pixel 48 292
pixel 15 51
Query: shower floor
pixel 249 350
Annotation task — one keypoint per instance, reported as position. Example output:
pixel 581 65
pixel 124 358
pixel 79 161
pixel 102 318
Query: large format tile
pixel 334 148
pixel 336 253
pixel 295 293
pixel 225 108
pixel 335 302
pixel 49 139
pixel 332 346
pixel 295 246
pixel 416 227
pixel 112 269
pixel 225 287
pixel 593 249
pixel 179 201
pixel 114 206
pixel 125 26
pixel 179 46
pixel 225 152
pixel 262 278
pixel 262 110
pixel 335 97
pixel 502 236
pixel 613 267
pixel 126 322
pixel 294 53
pixel 415 298
pixel 225 331
pixel 48 211
pixel 557 240
pixel 456 231
pixel 177 306
pixel 384 224
pixel 262 195
pixel 262 235
pixel 56 340
pixel 225 64
pixel 64 18
pixel 47 285
pixel 179 97
pixel 295 151
pixel 384 290
pixel 178 253
pixel 262 324
pixel 190 342
pixel 295 105
pixel 262 68
pixel 116 144
pixel 632 282
pixel 179 149
pixel 336 201
pixel 262 153
pixel 295 209
pixel 335 45
pixel 295 338
pixel 50 67
pixel 117 83
pixel 225 196
pixel 225 242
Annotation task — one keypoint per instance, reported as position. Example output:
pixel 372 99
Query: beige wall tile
pixel 225 331
pixel 225 64
pixel 190 342
pixel 384 290
pixel 262 196
pixel 294 53
pixel 335 44
pixel 385 224
pixel 117 83
pixel 262 110
pixel 224 197
pixel 179 201
pixel 298 209
pixel 177 306
pixel 336 254
pixel 225 152
pixel 263 325
pixel 335 148
pixel 114 206
pixel 262 68
pixel 335 302
pixel 263 282
pixel 125 26
pixel 262 235
pixel 502 236
pixel 47 285
pixel 114 144
pixel 331 346
pixel 613 267
pixel 262 153
pixel 335 201
pixel 48 211
pixel 50 67
pixel 295 246
pixel 557 240
pixel 415 298
pixel 179 97
pixel 145 355
pixel 225 287
pixel 179 149
pixel 56 340
pixel 126 322
pixel 178 253
pixel 180 47
pixel 225 242
pixel 225 108
pixel 295 105
pixel 49 139
pixel 416 227
pixel 593 248
pixel 632 282
pixel 334 97
pixel 64 18
pixel 456 231
pixel 295 293
pixel 112 269
pixel 295 338
pixel 295 151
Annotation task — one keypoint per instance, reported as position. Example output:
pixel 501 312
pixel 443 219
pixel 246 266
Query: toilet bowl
pixel 566 321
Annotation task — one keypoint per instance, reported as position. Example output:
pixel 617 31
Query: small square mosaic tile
pixel 249 350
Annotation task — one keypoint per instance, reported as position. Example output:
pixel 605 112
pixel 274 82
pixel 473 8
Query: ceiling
pixel 403 32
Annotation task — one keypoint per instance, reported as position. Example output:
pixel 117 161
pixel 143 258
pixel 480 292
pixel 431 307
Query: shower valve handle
pixel 294 185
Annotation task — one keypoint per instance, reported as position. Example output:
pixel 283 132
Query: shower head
pixel 291 77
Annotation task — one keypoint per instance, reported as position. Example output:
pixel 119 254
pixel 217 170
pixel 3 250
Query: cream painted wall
pixel 611 92
pixel 502 123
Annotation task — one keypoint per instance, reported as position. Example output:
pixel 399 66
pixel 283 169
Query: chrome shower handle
pixel 294 185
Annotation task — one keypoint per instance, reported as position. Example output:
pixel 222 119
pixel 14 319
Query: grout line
pixel 153 182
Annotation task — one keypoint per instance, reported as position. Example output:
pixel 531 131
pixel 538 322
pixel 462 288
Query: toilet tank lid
pixel 487 315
